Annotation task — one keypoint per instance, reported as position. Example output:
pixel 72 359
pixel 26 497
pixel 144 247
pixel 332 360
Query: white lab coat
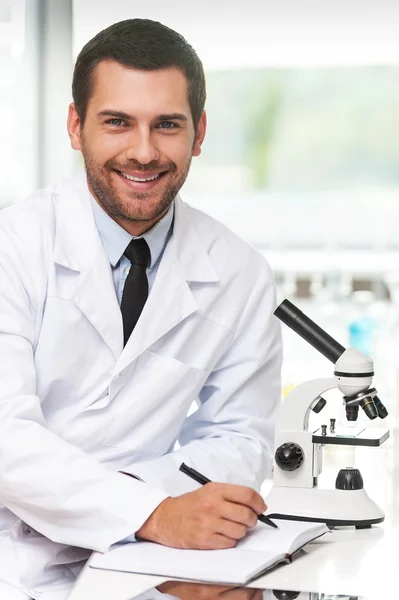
pixel 76 407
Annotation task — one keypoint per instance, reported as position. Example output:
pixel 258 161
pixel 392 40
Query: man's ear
pixel 201 130
pixel 73 125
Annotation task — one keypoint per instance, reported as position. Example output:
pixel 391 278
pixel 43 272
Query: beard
pixel 132 206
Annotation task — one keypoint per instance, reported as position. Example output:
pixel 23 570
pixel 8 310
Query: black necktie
pixel 135 292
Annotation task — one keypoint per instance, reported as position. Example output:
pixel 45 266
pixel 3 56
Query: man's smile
pixel 140 180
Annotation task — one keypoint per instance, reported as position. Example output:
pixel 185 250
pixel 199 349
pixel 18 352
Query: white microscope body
pixel 298 452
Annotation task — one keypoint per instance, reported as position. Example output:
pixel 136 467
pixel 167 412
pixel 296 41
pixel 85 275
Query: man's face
pixel 137 141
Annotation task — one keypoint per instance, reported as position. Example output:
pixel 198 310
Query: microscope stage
pixel 367 436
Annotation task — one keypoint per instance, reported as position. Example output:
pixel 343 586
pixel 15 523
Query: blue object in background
pixel 361 334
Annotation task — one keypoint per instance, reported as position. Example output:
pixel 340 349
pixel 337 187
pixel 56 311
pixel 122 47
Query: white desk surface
pixel 348 561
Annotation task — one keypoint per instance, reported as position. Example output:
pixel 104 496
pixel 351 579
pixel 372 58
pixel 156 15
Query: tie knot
pixel 138 252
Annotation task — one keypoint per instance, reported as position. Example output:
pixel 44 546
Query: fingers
pixel 219 542
pixel 239 593
pixel 214 541
pixel 213 517
pixel 240 514
pixel 242 495
pixel 256 595
pixel 229 529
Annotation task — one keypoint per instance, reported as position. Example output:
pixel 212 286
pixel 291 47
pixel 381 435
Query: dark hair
pixel 140 44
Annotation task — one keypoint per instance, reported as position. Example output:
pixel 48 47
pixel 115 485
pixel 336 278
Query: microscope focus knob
pixel 349 479
pixel 289 456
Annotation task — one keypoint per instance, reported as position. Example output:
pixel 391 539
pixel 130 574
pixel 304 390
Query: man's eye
pixel 116 122
pixel 168 125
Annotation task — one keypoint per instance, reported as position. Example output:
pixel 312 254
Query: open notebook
pixel 262 549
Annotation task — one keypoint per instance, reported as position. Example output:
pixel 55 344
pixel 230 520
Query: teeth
pixel 138 178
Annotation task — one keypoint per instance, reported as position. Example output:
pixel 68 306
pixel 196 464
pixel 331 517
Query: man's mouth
pixel 140 181
pixel 142 178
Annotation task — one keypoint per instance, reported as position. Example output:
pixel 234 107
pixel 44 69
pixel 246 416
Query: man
pixel 119 307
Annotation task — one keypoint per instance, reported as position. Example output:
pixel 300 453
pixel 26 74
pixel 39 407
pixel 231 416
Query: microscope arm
pixel 295 408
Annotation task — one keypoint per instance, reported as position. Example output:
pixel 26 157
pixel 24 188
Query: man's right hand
pixel 204 591
pixel 213 517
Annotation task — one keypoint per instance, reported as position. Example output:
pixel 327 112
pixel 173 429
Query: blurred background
pixel 302 152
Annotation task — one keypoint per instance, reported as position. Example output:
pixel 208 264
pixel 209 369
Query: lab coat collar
pixel 76 237
pixel 191 253
pixel 78 248
pixel 76 229
pixel 86 275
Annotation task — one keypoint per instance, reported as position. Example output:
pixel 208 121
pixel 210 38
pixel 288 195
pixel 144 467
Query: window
pixel 302 149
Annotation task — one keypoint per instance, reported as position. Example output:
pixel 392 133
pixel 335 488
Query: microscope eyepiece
pixel 289 314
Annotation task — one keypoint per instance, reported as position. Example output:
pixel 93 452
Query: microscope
pixel 298 452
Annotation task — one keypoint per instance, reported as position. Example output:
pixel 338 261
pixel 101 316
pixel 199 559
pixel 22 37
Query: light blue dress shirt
pixel 115 239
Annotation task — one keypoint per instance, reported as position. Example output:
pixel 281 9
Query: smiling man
pixel 137 140
pixel 120 307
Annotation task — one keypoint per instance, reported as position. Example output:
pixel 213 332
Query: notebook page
pixel 219 566
pixel 289 536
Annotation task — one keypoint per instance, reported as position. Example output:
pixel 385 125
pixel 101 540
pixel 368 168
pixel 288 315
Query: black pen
pixel 203 480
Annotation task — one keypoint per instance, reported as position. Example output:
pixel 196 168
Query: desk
pixel 363 562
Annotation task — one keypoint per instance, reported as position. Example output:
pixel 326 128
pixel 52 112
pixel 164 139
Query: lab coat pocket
pixel 153 403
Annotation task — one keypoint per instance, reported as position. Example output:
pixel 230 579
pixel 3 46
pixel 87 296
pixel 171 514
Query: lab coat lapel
pixel 97 299
pixel 171 300
pixel 85 275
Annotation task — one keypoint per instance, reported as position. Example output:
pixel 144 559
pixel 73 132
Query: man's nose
pixel 142 147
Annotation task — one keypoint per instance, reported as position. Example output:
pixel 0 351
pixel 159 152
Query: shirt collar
pixel 115 239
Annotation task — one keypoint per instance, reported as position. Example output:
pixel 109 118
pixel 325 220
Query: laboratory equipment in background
pixel 298 451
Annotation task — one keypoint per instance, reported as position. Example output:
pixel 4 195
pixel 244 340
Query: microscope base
pixel 333 507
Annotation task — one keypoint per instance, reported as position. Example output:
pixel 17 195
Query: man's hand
pixel 213 517
pixel 200 591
